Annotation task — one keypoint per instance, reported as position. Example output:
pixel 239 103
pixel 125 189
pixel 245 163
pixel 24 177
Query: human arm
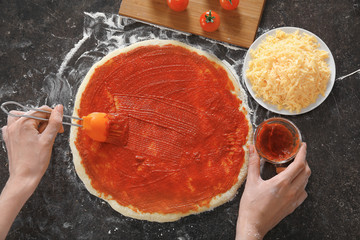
pixel 265 203
pixel 29 144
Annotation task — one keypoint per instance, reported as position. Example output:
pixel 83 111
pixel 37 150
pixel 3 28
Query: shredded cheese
pixel 288 70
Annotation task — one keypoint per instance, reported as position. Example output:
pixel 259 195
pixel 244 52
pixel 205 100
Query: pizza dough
pixel 189 131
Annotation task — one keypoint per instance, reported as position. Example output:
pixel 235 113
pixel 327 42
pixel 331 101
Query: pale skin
pixel 265 203
pixel 29 145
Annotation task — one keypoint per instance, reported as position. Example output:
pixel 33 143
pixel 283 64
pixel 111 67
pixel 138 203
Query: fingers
pixel 293 170
pixel 4 132
pixel 299 200
pixel 35 122
pixel 42 126
pixel 11 119
pixel 302 198
pixel 254 164
pixel 54 125
pixel 301 180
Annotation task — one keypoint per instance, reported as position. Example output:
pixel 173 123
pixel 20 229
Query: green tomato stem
pixel 209 18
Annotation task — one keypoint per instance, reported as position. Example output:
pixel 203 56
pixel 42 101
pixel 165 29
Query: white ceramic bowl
pixel 274 108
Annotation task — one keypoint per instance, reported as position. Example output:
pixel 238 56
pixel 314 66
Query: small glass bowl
pixel 295 135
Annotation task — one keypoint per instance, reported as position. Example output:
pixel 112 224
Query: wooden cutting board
pixel 237 27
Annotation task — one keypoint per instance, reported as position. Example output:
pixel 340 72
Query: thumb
pixel 254 164
pixel 4 133
pixel 54 125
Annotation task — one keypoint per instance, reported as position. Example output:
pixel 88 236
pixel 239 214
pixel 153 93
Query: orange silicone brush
pixel 102 127
pixel 106 127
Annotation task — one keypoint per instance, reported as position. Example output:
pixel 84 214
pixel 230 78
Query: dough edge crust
pixel 159 217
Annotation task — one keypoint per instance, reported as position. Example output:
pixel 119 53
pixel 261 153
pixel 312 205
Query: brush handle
pixel 37 110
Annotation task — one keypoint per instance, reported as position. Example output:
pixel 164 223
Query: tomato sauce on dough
pixel 186 131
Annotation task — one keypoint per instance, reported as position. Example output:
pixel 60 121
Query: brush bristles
pixel 118 130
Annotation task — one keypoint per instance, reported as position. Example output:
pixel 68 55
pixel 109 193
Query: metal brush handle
pixel 36 110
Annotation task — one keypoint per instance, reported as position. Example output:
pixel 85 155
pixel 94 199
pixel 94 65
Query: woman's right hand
pixel 265 203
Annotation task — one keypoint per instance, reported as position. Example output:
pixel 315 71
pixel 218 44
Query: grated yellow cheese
pixel 288 70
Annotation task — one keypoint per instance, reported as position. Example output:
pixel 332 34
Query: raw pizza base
pixel 158 217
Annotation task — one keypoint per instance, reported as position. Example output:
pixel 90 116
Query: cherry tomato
pixel 229 4
pixel 210 21
pixel 178 5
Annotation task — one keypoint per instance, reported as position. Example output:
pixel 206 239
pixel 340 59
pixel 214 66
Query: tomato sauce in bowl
pixel 277 140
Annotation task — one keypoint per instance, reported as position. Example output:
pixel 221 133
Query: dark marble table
pixel 47 46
